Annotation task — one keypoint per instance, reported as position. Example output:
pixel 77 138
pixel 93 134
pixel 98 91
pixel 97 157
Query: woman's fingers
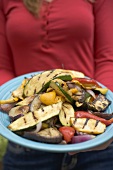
pixel 101 147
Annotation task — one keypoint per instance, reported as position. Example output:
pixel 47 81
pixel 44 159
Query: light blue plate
pixel 5 91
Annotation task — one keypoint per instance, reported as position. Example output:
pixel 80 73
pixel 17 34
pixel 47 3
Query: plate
pixel 5 91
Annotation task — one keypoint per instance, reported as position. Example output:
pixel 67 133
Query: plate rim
pixel 4 131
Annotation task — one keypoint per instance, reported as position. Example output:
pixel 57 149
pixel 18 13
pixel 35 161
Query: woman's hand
pixel 100 147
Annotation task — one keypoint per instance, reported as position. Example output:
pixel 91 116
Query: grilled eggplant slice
pixel 13 118
pixel 32 118
pixel 49 135
pixel 66 113
pixel 100 104
pixel 103 115
pixel 89 126
pixel 18 110
pixel 7 107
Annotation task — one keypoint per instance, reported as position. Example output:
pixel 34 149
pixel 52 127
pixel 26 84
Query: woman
pixel 38 35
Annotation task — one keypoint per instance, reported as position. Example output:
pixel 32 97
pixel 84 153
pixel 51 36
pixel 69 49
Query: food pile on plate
pixel 58 106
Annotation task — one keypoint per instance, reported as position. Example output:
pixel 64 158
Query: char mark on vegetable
pixel 85 123
pixel 34 116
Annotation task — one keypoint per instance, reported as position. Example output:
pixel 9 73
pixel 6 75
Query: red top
pixel 70 34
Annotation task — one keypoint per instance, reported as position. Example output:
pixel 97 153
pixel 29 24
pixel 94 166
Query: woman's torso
pixel 62 36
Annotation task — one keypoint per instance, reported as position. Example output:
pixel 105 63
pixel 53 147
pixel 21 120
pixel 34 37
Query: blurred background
pixel 3 146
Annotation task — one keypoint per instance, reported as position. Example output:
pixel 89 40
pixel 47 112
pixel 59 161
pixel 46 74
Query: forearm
pixel 103 51
pixel 6 59
pixel 104 74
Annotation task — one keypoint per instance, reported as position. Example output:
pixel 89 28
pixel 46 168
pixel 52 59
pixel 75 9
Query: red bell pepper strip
pixel 67 132
pixel 83 114
pixel 87 82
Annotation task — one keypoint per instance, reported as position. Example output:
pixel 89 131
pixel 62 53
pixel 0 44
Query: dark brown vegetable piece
pixel 103 115
pixel 49 135
pixel 99 104
pixel 7 107
pixel 19 110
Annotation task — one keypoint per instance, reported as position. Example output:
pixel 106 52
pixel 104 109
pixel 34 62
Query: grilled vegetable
pixel 76 92
pixel 104 115
pixel 67 132
pixel 52 121
pixel 82 138
pixel 18 93
pixel 64 77
pixel 99 104
pixel 9 101
pixel 66 113
pixel 35 104
pixel 13 118
pixel 60 91
pixel 102 90
pixel 83 114
pixel 32 118
pixel 7 107
pixel 18 110
pixel 48 98
pixel 37 83
pixel 79 96
pixel 57 104
pixel 26 101
pixel 89 126
pixel 49 135
pixel 38 127
pixel 61 83
pixel 87 83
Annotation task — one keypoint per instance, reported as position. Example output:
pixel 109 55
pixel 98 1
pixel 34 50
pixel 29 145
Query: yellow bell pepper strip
pixel 84 114
pixel 8 101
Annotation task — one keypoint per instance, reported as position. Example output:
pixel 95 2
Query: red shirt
pixel 70 34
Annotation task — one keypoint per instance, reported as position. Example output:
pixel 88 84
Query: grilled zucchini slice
pixel 32 118
pixel 60 91
pixel 89 126
pixel 66 113
pixel 38 82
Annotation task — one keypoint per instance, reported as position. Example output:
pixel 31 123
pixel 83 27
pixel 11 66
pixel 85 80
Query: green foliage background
pixel 3 146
